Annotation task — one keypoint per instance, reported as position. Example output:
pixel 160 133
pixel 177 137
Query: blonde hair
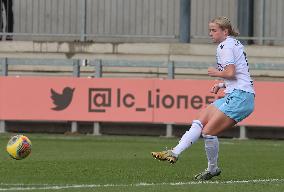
pixel 225 23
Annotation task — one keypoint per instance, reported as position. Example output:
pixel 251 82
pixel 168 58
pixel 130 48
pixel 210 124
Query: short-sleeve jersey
pixel 231 51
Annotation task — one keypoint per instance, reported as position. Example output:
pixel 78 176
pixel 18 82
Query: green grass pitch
pixel 123 163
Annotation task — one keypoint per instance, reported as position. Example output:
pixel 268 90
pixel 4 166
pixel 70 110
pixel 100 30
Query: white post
pixel 243 134
pixel 74 127
pixel 97 128
pixel 169 131
pixel 2 126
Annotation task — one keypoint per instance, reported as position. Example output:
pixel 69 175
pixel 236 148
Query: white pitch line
pixel 30 187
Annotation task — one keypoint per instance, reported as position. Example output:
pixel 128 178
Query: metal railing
pixel 98 64
pixel 89 19
pixel 132 20
pixel 266 15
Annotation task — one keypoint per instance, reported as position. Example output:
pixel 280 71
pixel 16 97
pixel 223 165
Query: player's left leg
pixel 232 109
pixel 218 123
pixel 211 145
pixel 207 175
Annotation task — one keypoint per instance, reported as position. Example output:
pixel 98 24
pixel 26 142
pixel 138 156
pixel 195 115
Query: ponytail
pixel 225 23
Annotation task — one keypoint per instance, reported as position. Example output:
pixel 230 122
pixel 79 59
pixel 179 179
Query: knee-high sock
pixel 189 137
pixel 211 145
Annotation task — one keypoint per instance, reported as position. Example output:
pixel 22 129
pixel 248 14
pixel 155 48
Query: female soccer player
pixel 232 68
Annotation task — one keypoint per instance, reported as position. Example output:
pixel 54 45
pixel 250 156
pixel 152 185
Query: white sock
pixel 211 145
pixel 189 137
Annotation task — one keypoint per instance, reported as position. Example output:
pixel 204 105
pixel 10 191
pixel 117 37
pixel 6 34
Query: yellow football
pixel 19 147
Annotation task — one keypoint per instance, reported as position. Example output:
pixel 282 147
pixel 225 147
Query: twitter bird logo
pixel 62 101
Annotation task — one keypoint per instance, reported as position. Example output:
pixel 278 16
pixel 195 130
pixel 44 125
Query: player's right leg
pixel 190 137
pixel 167 155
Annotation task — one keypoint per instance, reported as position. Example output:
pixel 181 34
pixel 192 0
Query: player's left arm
pixel 217 86
pixel 229 72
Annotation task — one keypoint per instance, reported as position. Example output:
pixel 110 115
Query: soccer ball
pixel 19 147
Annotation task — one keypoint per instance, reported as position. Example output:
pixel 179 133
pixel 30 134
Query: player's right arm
pixel 228 72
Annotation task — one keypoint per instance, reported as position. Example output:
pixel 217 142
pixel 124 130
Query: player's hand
pixel 215 88
pixel 212 72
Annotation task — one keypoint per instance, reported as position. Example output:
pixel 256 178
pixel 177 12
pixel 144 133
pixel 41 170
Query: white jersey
pixel 231 51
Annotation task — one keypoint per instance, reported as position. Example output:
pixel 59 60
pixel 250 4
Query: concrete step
pixel 265 61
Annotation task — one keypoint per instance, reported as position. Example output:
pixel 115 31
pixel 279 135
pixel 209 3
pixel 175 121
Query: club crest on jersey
pixel 220 67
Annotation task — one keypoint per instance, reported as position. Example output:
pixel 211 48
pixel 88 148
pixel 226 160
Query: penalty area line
pixel 30 187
